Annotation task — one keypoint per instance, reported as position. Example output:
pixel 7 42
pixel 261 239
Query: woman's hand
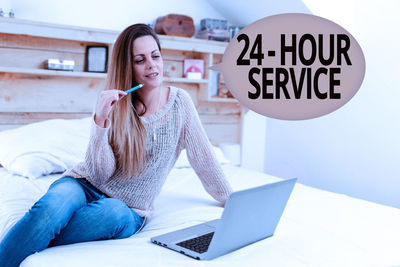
pixel 107 99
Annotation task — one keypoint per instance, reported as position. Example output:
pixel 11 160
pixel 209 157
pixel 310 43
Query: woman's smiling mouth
pixel 151 75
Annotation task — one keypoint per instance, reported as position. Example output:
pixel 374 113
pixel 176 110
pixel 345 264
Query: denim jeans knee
pixel 119 220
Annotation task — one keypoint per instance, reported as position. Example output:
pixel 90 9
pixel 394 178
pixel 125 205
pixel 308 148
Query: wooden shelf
pixel 184 80
pixel 83 34
pixel 192 44
pixel 58 73
pixel 84 74
pixel 222 99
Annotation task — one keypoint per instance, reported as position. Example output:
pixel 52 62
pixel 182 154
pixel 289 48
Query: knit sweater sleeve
pixel 99 159
pixel 201 154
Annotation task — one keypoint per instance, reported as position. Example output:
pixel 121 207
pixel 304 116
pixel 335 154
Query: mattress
pixel 317 228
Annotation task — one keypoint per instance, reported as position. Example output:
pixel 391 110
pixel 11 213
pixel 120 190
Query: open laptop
pixel 250 215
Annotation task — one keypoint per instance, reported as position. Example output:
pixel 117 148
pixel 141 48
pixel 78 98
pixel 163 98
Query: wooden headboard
pixel 29 92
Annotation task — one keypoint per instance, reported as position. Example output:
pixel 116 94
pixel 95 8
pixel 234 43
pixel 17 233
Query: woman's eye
pixel 139 61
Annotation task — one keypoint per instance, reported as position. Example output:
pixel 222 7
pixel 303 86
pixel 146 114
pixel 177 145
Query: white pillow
pixel 44 147
pixel 183 162
pixel 34 165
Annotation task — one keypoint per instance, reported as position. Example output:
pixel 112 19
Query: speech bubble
pixel 293 66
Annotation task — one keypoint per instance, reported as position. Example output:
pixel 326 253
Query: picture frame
pixel 96 58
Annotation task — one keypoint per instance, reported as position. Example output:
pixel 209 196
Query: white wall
pixel 245 12
pixel 5 5
pixel 253 142
pixel 354 150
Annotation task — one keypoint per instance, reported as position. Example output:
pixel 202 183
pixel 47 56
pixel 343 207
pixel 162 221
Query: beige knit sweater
pixel 172 128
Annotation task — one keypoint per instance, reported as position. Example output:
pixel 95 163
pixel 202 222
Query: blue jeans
pixel 71 211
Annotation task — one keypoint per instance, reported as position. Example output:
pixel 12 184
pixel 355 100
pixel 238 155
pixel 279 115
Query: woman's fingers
pixel 107 100
pixel 116 95
pixel 121 94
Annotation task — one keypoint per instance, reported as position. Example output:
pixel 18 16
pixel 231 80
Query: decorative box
pixel 193 68
pixel 213 24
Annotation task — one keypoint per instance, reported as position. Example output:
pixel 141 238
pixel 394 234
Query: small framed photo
pixel 96 58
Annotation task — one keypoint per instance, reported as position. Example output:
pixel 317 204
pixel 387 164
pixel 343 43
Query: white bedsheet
pixel 318 228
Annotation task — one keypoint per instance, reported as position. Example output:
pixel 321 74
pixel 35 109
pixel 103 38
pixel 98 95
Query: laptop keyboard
pixel 199 244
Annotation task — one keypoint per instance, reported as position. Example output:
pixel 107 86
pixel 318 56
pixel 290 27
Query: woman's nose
pixel 150 63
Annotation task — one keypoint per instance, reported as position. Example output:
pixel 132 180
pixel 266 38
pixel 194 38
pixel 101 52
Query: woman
pixel 134 143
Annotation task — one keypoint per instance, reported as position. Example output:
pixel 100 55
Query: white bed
pixel 318 228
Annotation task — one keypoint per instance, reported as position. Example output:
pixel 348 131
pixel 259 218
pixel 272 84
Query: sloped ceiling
pixel 242 13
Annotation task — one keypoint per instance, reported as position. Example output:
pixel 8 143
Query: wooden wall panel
pixel 37 59
pixel 27 93
pixel 38 43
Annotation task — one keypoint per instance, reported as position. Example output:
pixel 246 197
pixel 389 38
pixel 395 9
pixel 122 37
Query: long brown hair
pixel 127 134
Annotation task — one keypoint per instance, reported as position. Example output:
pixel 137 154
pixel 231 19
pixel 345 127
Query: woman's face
pixel 147 62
